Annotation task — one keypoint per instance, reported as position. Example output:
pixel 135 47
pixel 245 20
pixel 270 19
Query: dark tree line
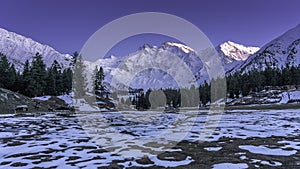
pixel 162 97
pixel 237 85
pixel 255 81
pixel 35 79
pixel 141 100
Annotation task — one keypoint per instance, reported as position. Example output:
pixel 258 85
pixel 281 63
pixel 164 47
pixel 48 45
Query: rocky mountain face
pixel 19 48
pixel 282 51
pixel 163 62
pixel 148 67
pixel 233 54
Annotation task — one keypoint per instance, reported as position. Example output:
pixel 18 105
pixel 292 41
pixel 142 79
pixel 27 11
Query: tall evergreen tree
pixel 38 76
pixel 25 80
pixel 12 81
pixel 51 83
pixel 4 72
pixel 99 87
pixel 67 80
pixel 79 78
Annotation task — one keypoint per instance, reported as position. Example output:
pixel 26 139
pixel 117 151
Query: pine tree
pixel 67 80
pixel 51 84
pixel 25 79
pixel 12 78
pixel 99 87
pixel 4 72
pixel 79 78
pixel 37 85
pixel 58 79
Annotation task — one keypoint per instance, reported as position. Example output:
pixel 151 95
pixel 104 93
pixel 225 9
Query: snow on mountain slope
pixel 233 54
pixel 236 51
pixel 18 49
pixel 230 54
pixel 276 54
pixel 149 78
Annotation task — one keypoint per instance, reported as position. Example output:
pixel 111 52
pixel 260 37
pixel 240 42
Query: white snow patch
pixel 42 98
pixel 212 148
pixel 267 151
pixel 273 163
pixel 67 98
pixel 230 166
pixel 165 163
pixel 290 95
pixel 290 144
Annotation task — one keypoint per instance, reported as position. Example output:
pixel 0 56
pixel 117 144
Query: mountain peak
pixel 19 48
pixel 237 51
pixel 282 51
pixel 184 48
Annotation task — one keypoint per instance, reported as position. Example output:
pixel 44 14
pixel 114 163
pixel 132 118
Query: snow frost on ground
pixel 50 140
pixel 230 166
pixel 290 96
pixel 67 98
pixel 212 148
pixel 42 98
pixel 268 151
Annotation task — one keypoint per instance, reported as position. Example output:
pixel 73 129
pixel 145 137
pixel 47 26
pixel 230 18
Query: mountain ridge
pixel 19 48
pixel 279 52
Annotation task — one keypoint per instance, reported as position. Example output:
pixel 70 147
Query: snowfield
pixel 147 139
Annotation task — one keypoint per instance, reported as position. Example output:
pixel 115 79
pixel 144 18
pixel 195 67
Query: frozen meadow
pixel 240 139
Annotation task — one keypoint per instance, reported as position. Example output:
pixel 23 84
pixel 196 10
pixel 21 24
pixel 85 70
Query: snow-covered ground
pixel 42 98
pixel 100 139
pixel 230 166
pixel 290 96
pixel 267 97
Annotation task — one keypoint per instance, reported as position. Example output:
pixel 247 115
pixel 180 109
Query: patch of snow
pixel 290 96
pixel 42 98
pixel 165 163
pixel 230 166
pixel 290 144
pixel 243 157
pixel 267 151
pixel 212 148
pixel 272 163
pixel 87 108
pixel 67 98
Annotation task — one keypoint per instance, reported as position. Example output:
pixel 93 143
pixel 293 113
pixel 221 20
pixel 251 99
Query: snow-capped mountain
pixel 19 48
pixel 233 54
pixel 236 52
pixel 171 55
pixel 282 51
pixel 230 54
pixel 150 66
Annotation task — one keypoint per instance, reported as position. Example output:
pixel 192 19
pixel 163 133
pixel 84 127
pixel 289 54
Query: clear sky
pixel 67 24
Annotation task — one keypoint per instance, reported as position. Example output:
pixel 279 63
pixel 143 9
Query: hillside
pixel 282 51
pixel 19 48
pixel 9 99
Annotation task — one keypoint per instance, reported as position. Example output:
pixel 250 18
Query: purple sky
pixel 67 24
